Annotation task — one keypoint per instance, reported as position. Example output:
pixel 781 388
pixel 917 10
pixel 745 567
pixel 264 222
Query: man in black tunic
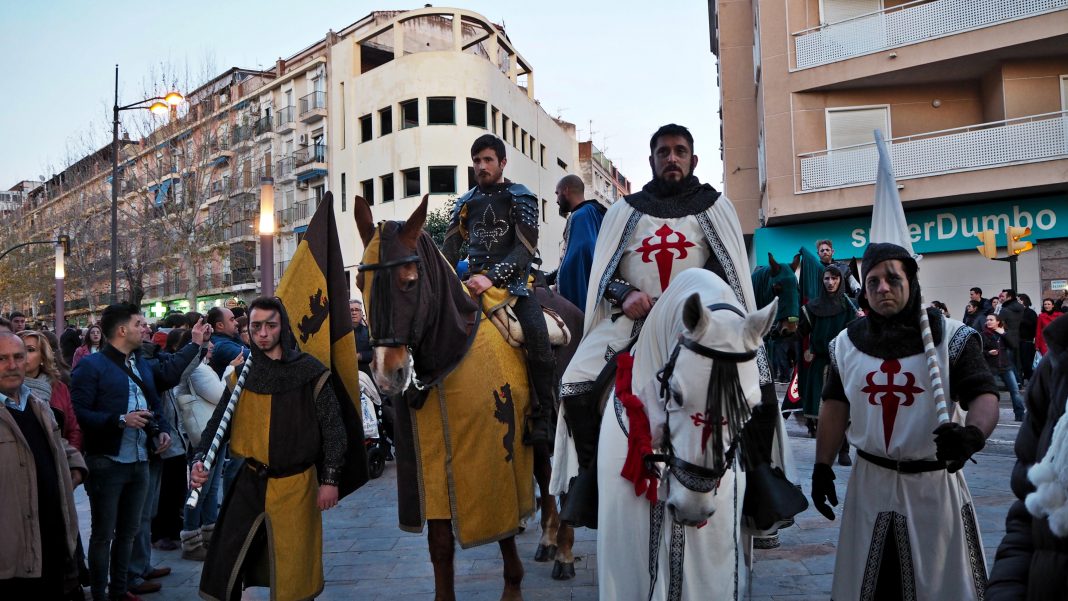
pixel 39 469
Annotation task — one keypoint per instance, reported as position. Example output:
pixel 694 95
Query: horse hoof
pixel 563 571
pixel 545 553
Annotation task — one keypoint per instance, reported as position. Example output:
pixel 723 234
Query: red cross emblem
pixel 701 420
pixel 664 251
pixel 891 395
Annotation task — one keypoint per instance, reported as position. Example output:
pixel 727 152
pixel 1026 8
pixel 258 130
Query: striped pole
pixel 933 368
pixel 220 432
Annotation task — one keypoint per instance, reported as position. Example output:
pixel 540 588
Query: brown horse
pixel 468 397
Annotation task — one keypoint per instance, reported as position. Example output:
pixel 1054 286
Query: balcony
pixel 218 187
pixel 907 24
pixel 983 146
pixel 310 162
pixel 284 169
pixel 241 137
pixel 219 150
pixel 284 120
pixel 313 107
pixel 262 127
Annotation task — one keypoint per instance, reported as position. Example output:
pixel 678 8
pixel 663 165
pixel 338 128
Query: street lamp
pixel 267 236
pixel 158 105
pixel 61 273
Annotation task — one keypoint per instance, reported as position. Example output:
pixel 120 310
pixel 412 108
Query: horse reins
pixel 695 477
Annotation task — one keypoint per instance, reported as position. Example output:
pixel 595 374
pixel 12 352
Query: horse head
pixel 778 281
pixel 394 291
pixel 707 388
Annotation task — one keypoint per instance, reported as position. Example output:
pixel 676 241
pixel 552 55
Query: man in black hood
pixel 910 517
pixel 287 426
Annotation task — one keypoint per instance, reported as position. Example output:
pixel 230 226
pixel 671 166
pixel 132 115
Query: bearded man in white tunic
pixel 909 529
pixel 673 223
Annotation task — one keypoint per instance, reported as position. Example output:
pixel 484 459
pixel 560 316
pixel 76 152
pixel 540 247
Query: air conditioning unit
pixel 302 185
pixel 303 139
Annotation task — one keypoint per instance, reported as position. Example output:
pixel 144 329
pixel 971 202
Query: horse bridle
pixel 382 303
pixel 694 477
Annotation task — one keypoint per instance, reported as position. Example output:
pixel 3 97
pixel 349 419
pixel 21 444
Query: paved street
pixel 367 557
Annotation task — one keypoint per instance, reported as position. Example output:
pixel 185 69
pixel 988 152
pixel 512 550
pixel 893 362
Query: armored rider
pixel 498 219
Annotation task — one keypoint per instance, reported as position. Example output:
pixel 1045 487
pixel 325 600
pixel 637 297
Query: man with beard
pixel 675 222
pixel 580 235
pixel 270 531
pixel 499 221
pixel 909 529
pixel 825 250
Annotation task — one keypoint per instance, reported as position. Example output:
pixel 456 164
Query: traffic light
pixel 64 241
pixel 989 248
pixel 1015 244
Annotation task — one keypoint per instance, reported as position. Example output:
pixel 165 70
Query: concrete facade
pixel 971 96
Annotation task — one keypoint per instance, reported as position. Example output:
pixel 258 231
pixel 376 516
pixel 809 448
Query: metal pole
pixel 60 309
pixel 267 264
pixel 1012 272
pixel 115 192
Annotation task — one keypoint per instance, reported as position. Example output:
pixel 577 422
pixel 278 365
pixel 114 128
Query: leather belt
pixel 265 471
pixel 905 467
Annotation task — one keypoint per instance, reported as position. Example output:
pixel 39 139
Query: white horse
pixel 690 544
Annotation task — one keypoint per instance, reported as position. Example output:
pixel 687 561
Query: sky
pixel 627 66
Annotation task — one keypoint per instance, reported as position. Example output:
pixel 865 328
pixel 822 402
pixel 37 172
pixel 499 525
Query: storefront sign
pixel 932 230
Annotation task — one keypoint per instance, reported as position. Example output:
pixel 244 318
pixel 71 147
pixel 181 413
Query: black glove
pixel 823 490
pixel 956 444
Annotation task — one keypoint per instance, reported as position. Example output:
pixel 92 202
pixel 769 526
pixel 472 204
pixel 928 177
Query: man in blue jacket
pixel 580 236
pixel 115 396
pixel 227 344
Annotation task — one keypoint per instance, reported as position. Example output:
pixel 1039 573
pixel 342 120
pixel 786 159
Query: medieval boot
pixel 193 547
pixel 583 416
pixel 540 427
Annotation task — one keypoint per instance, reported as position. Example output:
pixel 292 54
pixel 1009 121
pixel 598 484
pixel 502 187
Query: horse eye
pixel 408 285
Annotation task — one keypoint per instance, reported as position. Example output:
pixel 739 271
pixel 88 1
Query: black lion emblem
pixel 319 306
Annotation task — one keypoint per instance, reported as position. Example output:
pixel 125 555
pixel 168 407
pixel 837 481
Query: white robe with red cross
pixel 647 252
pixel 929 516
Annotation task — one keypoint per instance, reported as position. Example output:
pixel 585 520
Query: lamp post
pixel 159 105
pixel 61 273
pixel 267 236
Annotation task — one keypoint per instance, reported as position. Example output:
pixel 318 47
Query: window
pixel 504 127
pixel 493 120
pixel 544 211
pixel 343 205
pixel 851 126
pixel 834 11
pixel 471 181
pixel 532 147
pixel 561 163
pixel 367 190
pixel 440 111
pixel 387 187
pixel 542 161
pixel 442 180
pixel 476 113
pixel 523 147
pixel 385 121
pixel 515 135
pixel 344 127
pixel 411 182
pixel 1064 92
pixel 365 128
pixel 409 113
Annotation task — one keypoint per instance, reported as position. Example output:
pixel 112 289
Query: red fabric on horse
pixel 639 436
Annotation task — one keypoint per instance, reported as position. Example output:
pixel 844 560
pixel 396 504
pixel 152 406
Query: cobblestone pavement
pixel 367 557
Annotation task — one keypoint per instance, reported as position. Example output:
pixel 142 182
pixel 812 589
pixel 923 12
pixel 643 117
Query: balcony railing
pixel 313 106
pixel 240 135
pixel 906 24
pixel 219 186
pixel 984 146
pixel 313 154
pixel 284 168
pixel 285 119
pixel 263 126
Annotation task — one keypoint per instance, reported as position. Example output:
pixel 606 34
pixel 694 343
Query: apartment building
pixel 386 108
pixel 410 91
pixel 972 97
pixel 604 182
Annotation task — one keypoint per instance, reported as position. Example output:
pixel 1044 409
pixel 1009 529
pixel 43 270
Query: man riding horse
pixel 499 221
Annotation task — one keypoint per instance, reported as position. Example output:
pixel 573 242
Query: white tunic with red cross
pixel 928 517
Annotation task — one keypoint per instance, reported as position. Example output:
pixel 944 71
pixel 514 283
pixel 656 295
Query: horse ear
pixel 775 267
pixel 693 313
pixel 759 323
pixel 365 223
pixel 411 229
